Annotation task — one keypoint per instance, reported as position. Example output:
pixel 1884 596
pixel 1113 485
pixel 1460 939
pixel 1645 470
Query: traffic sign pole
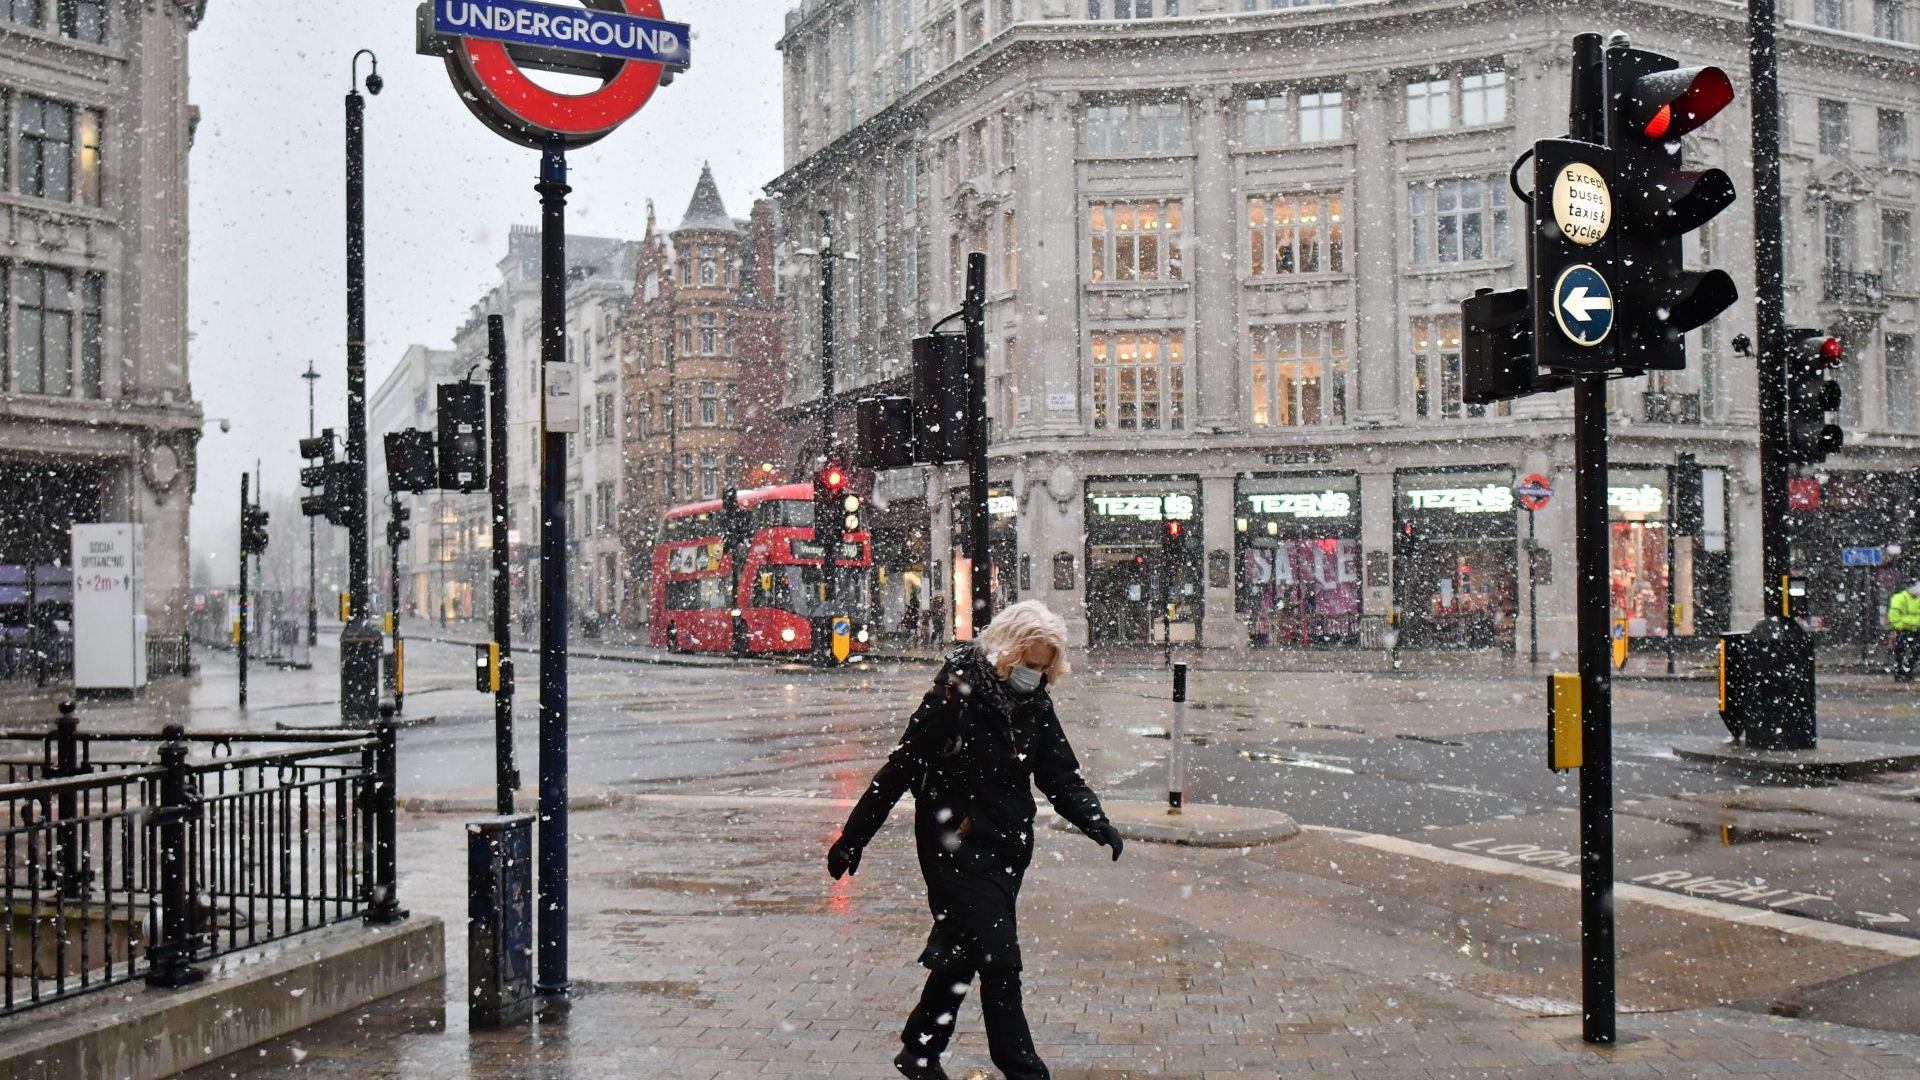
pixel 551 978
pixel 1588 122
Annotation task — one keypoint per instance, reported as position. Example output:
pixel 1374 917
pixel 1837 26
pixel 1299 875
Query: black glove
pixel 842 858
pixel 1106 835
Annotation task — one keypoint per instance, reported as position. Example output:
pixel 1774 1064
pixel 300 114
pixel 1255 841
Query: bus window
pixel 698 594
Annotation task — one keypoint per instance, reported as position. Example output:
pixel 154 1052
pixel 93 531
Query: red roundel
pixel 535 111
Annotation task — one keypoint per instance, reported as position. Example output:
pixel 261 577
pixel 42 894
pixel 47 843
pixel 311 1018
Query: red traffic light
pixel 833 478
pixel 1173 529
pixel 1669 104
pixel 1832 352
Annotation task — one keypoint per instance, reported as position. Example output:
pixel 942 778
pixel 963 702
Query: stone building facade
pixel 703 369
pixel 1227 244
pixel 98 422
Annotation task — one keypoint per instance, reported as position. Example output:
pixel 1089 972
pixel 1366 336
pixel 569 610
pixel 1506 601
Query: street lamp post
pixel 313 602
pixel 359 640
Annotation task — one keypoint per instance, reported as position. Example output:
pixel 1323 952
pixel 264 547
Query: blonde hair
pixel 1017 628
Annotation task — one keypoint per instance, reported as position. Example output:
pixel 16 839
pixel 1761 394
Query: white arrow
pixel 1581 306
pixel 1877 918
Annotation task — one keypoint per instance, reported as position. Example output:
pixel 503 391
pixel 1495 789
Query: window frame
pixel 1169 377
pixel 1330 395
pixel 1105 240
pixel 1263 232
pixel 1426 217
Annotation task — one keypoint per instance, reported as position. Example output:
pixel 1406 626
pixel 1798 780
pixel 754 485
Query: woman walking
pixel 985 728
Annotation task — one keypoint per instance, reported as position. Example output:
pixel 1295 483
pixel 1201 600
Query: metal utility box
pixel 1766 685
pixel 499 920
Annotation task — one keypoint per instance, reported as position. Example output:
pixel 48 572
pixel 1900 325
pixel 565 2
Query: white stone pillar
pixel 1373 248
pixel 1211 247
pixel 1223 630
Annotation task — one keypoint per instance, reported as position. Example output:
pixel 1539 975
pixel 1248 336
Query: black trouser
pixel 1906 650
pixel 930 1025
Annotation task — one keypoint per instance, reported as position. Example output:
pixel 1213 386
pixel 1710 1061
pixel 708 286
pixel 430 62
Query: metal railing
pixel 145 865
pixel 1841 285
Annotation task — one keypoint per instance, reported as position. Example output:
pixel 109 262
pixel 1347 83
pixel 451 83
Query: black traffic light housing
pixel 942 380
pixel 1654 103
pixel 1496 360
pixel 397 531
pixel 317 477
pixel 829 516
pixel 412 461
pixel 1688 514
pixel 1812 395
pixel 462 422
pixel 253 530
pixel 884 433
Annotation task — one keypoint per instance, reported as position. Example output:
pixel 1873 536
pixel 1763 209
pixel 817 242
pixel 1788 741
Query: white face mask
pixel 1023 680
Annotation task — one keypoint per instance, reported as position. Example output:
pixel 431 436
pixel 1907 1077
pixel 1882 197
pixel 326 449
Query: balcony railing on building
pixel 141 856
pixel 1839 285
pixel 1662 407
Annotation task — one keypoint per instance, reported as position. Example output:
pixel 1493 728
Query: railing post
pixel 170 957
pixel 66 762
pixel 383 804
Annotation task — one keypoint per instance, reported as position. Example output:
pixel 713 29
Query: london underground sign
pixel 489 45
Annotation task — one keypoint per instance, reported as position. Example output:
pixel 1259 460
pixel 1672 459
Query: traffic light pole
pixel 240 636
pixel 973 320
pixel 359 641
pixel 313 575
pixel 394 533
pixel 506 777
pixel 551 976
pixel 820 631
pixel 1588 121
pixel 1770 324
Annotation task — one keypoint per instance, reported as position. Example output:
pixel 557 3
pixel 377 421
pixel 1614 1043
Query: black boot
pixel 919 1065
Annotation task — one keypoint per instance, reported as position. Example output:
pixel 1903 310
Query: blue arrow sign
pixel 567 29
pixel 1583 305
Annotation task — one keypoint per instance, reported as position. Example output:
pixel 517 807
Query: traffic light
pixel 462 421
pixel 883 433
pixel 1688 514
pixel 1654 103
pixel 941 377
pixel 1811 395
pixel 397 531
pixel 829 513
pixel 253 530
pixel 316 477
pixel 412 461
pixel 1496 356
pixel 851 504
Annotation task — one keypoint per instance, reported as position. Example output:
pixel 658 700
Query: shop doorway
pixel 1122 589
pixel 1456 592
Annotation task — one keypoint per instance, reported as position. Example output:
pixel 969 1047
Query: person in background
pixel 981 735
pixel 1903 618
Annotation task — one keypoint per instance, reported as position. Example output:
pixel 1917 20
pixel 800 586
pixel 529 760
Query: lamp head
pixel 375 82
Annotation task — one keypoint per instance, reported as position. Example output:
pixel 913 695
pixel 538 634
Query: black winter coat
pixel 968 754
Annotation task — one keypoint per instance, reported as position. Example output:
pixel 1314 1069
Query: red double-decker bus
pixel 780 597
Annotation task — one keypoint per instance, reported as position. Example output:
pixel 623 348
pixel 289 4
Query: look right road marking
pixel 1797 925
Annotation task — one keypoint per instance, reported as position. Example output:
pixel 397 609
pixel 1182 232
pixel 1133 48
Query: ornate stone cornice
pixel 192 11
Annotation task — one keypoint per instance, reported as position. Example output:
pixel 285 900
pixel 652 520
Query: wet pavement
pixel 708 941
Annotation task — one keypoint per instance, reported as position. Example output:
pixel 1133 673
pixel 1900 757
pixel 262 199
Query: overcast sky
pixel 267 263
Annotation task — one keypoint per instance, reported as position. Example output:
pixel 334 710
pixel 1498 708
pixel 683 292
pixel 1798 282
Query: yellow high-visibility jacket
pixel 1903 611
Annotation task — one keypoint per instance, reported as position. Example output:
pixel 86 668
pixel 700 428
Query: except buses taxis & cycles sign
pixel 489 45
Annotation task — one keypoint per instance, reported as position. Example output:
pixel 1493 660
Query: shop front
pixel 1003 552
pixel 1658 574
pixel 1297 546
pixel 1455 558
pixel 1850 531
pixel 1143 560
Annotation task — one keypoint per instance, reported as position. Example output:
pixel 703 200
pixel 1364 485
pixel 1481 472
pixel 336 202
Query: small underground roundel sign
pixel 1582 205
